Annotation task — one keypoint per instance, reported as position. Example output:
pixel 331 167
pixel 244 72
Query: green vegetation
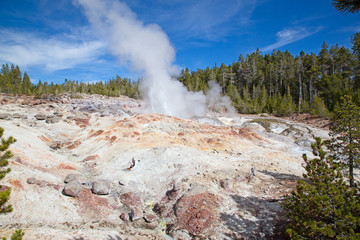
pixel 5 155
pixel 345 135
pixel 277 83
pixel 12 82
pixel 17 235
pixel 280 83
pixel 323 206
pixel 347 6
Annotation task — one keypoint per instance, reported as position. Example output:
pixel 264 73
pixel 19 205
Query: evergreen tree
pixel 26 85
pixel 325 59
pixel 4 195
pixel 318 108
pixel 345 135
pixel 323 206
pixel 4 156
pixel 355 40
pixel 347 6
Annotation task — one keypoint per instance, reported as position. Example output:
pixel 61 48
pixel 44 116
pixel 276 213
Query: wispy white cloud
pixel 50 52
pixel 210 20
pixel 289 35
pixel 351 28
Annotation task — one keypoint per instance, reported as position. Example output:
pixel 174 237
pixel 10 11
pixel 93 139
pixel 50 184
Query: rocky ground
pixel 97 168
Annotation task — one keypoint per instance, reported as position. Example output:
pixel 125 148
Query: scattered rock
pixel 226 183
pixel 124 217
pixel 40 116
pixel 101 187
pixel 5 116
pixel 150 218
pixel 73 189
pixel 74 177
pixel 16 115
pixel 53 119
pixel 31 180
pixel 136 213
pixel 58 114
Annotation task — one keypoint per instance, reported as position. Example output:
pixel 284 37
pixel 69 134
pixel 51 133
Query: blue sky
pixel 53 40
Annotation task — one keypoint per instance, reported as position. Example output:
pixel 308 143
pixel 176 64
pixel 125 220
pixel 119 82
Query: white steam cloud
pixel 146 48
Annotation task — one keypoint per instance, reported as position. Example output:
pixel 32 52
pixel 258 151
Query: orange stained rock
pixel 66 166
pixel 16 183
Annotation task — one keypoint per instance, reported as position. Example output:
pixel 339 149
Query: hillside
pixel 138 175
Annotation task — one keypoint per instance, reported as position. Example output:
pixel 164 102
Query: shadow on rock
pixel 114 238
pixel 255 218
pixel 281 176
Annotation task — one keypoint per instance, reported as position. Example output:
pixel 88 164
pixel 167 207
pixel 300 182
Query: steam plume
pixel 146 48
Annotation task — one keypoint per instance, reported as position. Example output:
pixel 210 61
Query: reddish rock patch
pixel 94 205
pixel 97 133
pixel 82 122
pixel 130 199
pixel 66 166
pixel 196 213
pixel 45 139
pixel 90 158
pixel 74 144
pixel 112 139
pixel 243 132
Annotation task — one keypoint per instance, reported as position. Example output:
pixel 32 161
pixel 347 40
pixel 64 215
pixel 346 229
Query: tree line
pixel 13 82
pixel 277 83
pixel 281 83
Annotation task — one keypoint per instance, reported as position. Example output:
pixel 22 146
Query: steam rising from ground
pixel 146 48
